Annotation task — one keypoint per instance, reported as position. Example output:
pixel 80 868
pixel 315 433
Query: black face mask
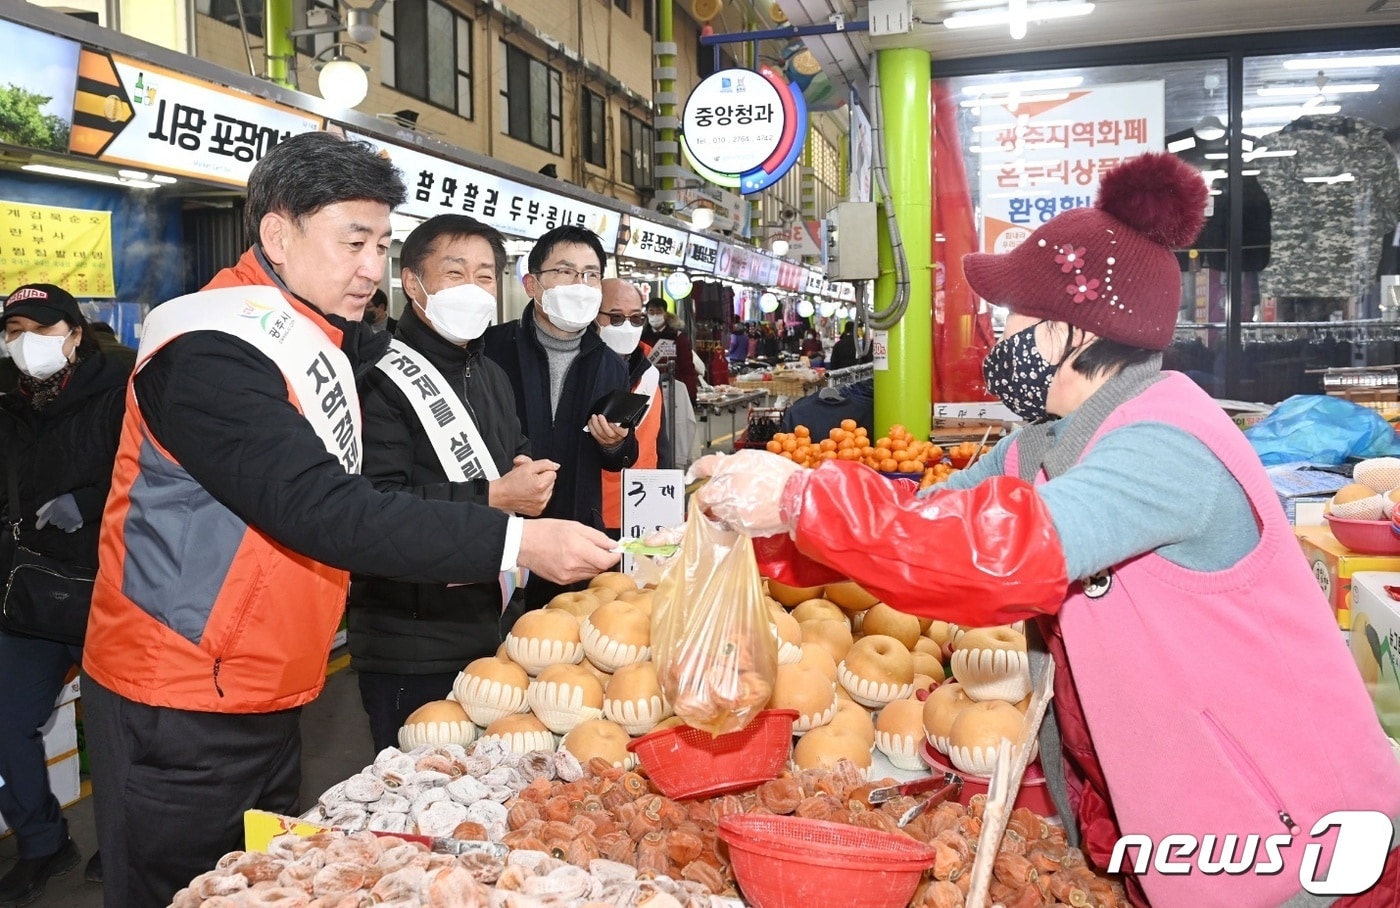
pixel 1018 375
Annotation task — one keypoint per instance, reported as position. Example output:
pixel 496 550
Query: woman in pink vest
pixel 1202 687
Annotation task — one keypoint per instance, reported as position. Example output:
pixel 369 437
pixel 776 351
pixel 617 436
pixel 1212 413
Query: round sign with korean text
pixel 743 129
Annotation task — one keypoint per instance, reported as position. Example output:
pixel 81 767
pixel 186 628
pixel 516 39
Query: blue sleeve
pixel 993 463
pixel 1150 487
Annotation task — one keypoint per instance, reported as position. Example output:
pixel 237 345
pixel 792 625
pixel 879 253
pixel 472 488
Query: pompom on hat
pixel 1108 269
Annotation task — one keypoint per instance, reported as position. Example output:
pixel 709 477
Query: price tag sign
pixel 651 500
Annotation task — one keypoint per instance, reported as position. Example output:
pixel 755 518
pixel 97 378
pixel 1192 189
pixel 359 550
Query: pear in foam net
pixel 899 733
pixel 491 687
pixel 991 664
pixel 544 637
pixel 877 670
pixel 437 723
pixel 805 689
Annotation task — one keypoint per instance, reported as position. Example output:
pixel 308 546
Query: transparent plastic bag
pixel 712 640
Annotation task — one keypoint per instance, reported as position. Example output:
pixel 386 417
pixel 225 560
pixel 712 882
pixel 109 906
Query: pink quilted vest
pixel 1220 702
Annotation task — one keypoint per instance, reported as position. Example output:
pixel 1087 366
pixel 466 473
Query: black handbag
pixel 43 596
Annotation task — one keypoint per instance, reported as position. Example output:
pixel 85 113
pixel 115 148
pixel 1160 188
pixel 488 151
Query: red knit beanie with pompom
pixel 1108 269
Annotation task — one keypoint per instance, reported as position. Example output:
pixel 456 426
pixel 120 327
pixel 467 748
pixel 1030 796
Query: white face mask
pixel 461 313
pixel 572 306
pixel 623 339
pixel 657 322
pixel 38 355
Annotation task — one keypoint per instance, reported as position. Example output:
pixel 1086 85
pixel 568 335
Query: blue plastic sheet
pixel 1321 429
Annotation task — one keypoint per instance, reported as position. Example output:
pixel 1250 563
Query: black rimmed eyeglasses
pixel 573 275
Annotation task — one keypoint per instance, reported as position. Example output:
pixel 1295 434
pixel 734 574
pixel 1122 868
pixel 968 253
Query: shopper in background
pixel 559 369
pixel 58 437
pixel 112 345
pixel 843 352
pixel 1134 523
pixel 620 322
pixel 235 513
pixel 409 640
pixel 670 346
pixel 738 343
pixel 377 314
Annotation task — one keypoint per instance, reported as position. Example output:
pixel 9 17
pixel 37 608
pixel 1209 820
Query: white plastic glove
pixel 745 490
pixel 62 512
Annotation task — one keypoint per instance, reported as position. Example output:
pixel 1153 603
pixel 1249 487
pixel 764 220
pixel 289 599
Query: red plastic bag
pixel 712 640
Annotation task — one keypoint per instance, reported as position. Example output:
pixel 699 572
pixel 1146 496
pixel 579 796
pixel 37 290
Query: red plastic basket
pixel 687 762
pixel 1365 537
pixel 791 862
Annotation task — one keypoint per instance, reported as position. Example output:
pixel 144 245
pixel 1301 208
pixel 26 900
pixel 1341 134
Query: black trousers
pixel 388 699
pixel 170 787
pixel 31 675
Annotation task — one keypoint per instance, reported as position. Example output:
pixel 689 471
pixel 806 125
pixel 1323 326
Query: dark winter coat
pixel 68 446
pixel 408 628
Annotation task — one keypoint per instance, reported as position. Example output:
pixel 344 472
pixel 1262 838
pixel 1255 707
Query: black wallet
pixel 623 408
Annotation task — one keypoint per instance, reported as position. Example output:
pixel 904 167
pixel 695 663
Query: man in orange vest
pixel 620 322
pixel 235 513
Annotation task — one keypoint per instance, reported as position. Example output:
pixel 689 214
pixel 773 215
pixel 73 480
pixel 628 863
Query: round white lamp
pixel 842 312
pixel 768 302
pixel 779 247
pixel 701 218
pixel 343 82
pixel 826 309
pixel 805 309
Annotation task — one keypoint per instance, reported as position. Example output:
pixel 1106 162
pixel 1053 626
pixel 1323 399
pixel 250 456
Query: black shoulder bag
pixel 43 596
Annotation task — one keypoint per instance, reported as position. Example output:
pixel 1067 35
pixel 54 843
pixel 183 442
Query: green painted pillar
pixel 666 35
pixel 903 390
pixel 281 49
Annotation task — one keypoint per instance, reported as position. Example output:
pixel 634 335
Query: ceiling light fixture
pixel 1361 62
pixel 1057 83
pixel 1034 12
pixel 1307 91
pixel 1209 129
pixel 89 175
pixel 1288 112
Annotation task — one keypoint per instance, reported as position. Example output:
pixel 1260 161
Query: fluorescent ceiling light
pixel 1349 62
pixel 1012 100
pixel 134 174
pixel 1307 91
pixel 1212 156
pixel 161 178
pixel 1339 178
pixel 1022 122
pixel 1054 84
pixel 89 175
pixel 1035 12
pixel 1288 112
pixel 1181 145
pixel 1265 153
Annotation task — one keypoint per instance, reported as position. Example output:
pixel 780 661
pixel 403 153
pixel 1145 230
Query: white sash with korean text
pixel 450 429
pixel 317 371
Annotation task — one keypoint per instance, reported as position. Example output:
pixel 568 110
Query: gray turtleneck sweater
pixel 561 351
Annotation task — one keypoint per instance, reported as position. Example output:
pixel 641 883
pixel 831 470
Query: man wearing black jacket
pixel 409 640
pixel 560 369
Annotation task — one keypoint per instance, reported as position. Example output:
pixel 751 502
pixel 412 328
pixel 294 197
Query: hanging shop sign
pixel 1041 156
pixel 649 242
pixel 36 87
pixel 70 247
pixel 700 254
pixel 743 129
pixel 129 112
pixel 438 186
pixel 812 282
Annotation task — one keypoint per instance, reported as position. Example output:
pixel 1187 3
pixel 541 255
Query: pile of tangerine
pixel 899 452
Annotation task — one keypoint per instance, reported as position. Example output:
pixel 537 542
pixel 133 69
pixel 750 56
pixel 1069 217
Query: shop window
pixel 594 126
pixel 649 16
pixel 426 53
pixel 533 96
pixel 624 6
pixel 636 152
pixel 226 11
pixel 309 45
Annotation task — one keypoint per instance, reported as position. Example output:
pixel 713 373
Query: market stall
pixel 559 775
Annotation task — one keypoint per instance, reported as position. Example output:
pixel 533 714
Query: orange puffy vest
pixel 267 621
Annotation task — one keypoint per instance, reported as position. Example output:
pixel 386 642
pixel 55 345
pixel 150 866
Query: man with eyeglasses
pixel 560 369
pixel 620 323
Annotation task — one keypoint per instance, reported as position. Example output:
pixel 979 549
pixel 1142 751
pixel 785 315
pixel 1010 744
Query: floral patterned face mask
pixel 1018 375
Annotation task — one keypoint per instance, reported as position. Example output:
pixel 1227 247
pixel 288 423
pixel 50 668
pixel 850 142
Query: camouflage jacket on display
pixel 1328 230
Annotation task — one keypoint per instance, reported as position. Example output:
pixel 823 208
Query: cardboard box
pixel 1375 643
pixel 63 780
pixel 1334 565
pixel 61 731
